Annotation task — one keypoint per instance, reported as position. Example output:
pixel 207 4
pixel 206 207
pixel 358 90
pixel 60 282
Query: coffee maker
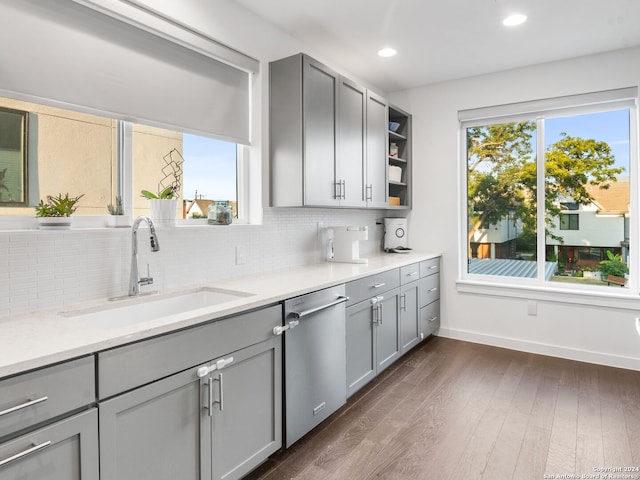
pixel 396 236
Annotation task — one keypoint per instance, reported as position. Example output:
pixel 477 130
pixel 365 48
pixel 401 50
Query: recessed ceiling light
pixel 513 20
pixel 387 52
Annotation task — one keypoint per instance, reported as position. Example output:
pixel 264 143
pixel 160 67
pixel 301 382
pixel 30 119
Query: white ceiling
pixel 449 39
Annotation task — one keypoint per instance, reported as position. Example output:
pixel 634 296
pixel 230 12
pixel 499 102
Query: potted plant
pixel 56 212
pixel 164 203
pixel 116 217
pixel 614 269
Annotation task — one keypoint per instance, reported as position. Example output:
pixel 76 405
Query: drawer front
pixel 430 319
pixel 430 267
pixel 373 285
pixel 64 450
pixel 409 273
pixel 429 289
pixel 31 398
pixel 159 357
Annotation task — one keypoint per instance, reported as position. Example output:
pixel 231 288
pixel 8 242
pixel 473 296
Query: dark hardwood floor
pixel 458 410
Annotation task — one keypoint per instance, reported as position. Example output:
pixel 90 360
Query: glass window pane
pixel 205 169
pixel 67 152
pixel 501 202
pixel 587 171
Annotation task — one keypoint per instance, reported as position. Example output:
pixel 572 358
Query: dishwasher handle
pixel 305 313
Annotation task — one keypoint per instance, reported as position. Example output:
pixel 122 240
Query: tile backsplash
pixel 49 269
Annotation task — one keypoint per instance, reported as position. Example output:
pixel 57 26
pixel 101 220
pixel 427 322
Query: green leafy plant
pixel 57 206
pixel 613 265
pixel 117 209
pixel 168 192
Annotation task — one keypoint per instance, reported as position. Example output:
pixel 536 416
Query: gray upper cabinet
pixel 328 138
pixel 352 131
pixel 376 165
pixel 303 119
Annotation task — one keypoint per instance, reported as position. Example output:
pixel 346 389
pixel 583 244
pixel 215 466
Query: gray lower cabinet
pixel 409 321
pixel 373 338
pixel 429 321
pixel 65 450
pixel 217 419
pixel 157 432
pixel 247 410
pixel 219 426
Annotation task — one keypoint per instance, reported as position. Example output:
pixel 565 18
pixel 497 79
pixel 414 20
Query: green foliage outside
pixel 613 265
pixel 502 176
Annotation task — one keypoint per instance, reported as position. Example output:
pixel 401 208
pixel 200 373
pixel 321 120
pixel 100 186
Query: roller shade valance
pixel 68 54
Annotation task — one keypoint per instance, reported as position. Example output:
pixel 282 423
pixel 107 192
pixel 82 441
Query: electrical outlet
pixel 532 307
pixel 241 257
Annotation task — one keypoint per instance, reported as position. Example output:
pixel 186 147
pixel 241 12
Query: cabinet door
pixel 361 364
pixel 409 324
pixel 65 450
pixel 320 91
pixel 388 331
pixel 376 183
pixel 157 432
pixel 350 164
pixel 247 409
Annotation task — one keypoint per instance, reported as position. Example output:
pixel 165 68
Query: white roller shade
pixel 65 53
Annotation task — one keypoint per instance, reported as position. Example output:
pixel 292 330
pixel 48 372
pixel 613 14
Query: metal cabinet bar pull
pixel 217 365
pixel 28 451
pixel 304 313
pixel 433 267
pixel 369 192
pixel 381 307
pixel 344 190
pixel 403 302
pixel 23 405
pixel 209 407
pixel 411 274
pixel 279 330
pixel 221 402
pixel 378 285
pixel 433 289
pixel 433 319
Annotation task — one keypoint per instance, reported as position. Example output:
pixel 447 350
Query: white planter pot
pixel 163 211
pixel 54 223
pixel 118 221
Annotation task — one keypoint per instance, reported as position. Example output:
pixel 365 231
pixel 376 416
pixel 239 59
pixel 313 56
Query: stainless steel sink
pixel 134 310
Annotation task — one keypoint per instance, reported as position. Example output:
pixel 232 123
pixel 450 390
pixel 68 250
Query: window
pixel 206 167
pixel 13 156
pixel 569 222
pixel 548 189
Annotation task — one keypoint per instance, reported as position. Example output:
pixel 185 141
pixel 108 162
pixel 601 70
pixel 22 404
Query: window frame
pixel 538 110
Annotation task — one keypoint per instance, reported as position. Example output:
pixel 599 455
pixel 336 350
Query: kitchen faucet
pixel 135 281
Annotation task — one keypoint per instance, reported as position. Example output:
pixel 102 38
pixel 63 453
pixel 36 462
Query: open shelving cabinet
pixel 399 155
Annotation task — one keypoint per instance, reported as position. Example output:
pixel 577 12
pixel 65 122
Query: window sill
pixel 598 297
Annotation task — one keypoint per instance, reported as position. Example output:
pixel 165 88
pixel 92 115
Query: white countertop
pixel 34 340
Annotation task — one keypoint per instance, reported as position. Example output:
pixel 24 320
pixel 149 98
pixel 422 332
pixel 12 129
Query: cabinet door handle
pixel 23 405
pixel 209 406
pixel 344 190
pixel 369 192
pixel 381 307
pixel 403 302
pixel 221 383
pixel 26 452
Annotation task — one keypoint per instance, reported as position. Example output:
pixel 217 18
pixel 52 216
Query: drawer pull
pixel 24 405
pixel 28 451
pixel 433 267
pixel 433 289
pixel 412 274
pixel 378 285
pixel 433 319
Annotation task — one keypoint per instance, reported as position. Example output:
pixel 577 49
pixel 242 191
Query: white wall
pixel 604 335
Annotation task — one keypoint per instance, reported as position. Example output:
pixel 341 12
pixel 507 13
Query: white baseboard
pixel 599 358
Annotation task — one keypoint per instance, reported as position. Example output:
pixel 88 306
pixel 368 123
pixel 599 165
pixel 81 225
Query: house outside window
pixel 529 165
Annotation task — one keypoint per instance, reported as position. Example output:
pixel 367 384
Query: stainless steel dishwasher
pixel 315 359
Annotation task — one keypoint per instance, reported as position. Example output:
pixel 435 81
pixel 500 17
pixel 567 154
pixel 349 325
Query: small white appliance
pixel 396 236
pixel 344 244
